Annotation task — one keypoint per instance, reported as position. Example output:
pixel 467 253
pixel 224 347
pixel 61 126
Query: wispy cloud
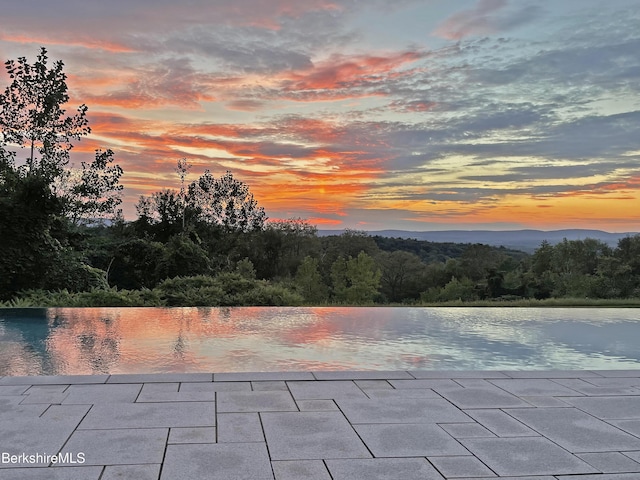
pixel 485 18
pixel 511 109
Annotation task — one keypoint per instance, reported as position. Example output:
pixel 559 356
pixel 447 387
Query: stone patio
pixel 427 425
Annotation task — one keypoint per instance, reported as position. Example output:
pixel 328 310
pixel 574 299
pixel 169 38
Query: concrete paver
pixel 31 435
pixel 528 477
pixel 525 456
pixel 383 469
pixel 127 472
pixel 127 446
pixel 91 394
pixel 160 377
pixel 612 476
pixel 405 392
pixel 44 397
pixel 269 385
pixel 358 375
pixel 587 388
pixel 618 373
pixel 298 469
pixel 633 455
pixel 239 427
pixel 407 440
pixel 143 415
pixel 195 396
pixel 217 461
pixel 524 425
pixel 53 473
pixel 535 387
pixel 614 382
pixel 401 410
pixel 13 389
pixel 615 408
pixel 456 467
pixel 325 390
pixel 374 384
pixel 448 374
pixel 474 397
pixel 500 423
pixel 466 430
pixel 545 374
pixel 261 376
pixel 192 435
pixel 429 383
pixel 543 401
pixel 311 436
pixel 7 400
pixel 610 462
pixel 576 431
pixel 215 387
pixel 268 401
pixel 630 426
pixel 316 405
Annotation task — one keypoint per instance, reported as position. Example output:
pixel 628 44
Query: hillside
pixel 525 240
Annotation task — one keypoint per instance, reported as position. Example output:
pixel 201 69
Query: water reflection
pixel 128 340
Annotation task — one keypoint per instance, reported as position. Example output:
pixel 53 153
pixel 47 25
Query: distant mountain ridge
pixel 526 240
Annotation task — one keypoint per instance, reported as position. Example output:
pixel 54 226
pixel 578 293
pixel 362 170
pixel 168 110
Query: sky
pixel 366 114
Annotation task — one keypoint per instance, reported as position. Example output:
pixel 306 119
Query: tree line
pixel 208 242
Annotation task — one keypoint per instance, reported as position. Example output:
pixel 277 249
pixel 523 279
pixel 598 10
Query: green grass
pixel 549 302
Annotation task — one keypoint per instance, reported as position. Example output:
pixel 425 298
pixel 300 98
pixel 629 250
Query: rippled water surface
pixel 152 340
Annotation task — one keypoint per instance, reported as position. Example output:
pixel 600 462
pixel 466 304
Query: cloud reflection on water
pixel 152 340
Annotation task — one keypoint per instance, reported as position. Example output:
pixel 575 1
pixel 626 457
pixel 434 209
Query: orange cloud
pixel 245 105
pixel 327 79
pixel 85 42
pixel 324 221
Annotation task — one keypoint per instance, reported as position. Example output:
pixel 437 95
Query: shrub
pixel 183 257
pixel 266 294
pixel 463 290
pixel 200 290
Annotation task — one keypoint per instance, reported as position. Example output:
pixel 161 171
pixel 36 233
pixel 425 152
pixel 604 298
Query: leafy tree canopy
pixel 40 197
pixel 227 202
pixel 31 116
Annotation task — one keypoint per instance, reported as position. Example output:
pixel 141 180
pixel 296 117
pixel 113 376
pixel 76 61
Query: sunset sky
pixel 367 114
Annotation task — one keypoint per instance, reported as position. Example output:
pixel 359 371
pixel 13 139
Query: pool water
pixel 157 340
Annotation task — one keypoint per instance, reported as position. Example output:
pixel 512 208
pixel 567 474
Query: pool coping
pixel 426 424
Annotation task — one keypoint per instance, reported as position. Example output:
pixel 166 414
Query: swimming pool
pixel 157 340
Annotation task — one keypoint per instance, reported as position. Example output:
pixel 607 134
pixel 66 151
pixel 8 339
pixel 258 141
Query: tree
pixel 477 260
pixel 133 263
pixel 183 257
pixel 92 192
pixel 355 280
pixel 31 115
pixel 29 251
pixel 628 251
pixel 40 198
pixel 308 281
pixel 402 273
pixel 226 202
pixel 182 169
pixel 463 290
pixel 292 240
